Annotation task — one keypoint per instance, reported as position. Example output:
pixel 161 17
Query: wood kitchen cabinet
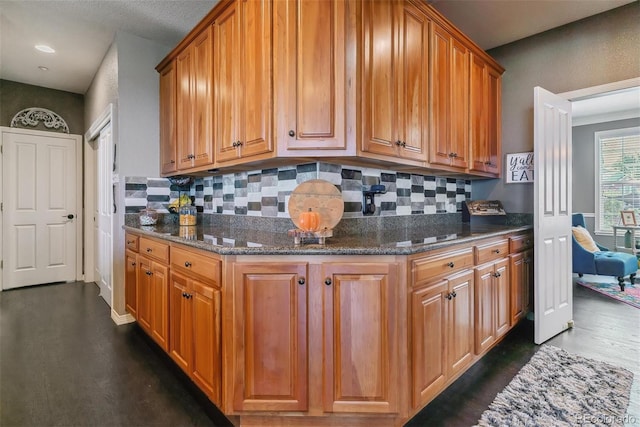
pixel 168 137
pixel 442 319
pixel 242 71
pixel 360 323
pixel 194 318
pixel 131 283
pixel 521 269
pixel 485 118
pixel 449 101
pixel 493 292
pixel 395 80
pixel 194 99
pixel 311 77
pixel 270 339
pixel 131 274
pixel 337 319
pixel 153 290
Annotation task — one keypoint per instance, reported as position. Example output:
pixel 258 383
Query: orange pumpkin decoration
pixel 309 221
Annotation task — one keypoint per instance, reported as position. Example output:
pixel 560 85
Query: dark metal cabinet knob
pixel 187 264
pixel 301 281
pixel 450 264
pixel 292 133
pixel 449 296
pixel 327 281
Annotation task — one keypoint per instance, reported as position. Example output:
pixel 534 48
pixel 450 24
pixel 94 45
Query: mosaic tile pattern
pixel 265 193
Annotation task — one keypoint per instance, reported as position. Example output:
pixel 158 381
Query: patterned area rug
pixel 557 388
pixel 631 294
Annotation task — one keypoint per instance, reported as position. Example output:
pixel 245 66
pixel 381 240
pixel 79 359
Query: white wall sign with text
pixel 519 167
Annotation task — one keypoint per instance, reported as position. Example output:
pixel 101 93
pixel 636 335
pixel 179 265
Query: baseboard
pixel 121 319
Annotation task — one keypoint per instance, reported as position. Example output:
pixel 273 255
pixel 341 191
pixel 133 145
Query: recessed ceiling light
pixel 43 68
pixel 44 48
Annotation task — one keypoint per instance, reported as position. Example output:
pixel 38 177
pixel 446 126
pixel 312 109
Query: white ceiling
pixel 82 30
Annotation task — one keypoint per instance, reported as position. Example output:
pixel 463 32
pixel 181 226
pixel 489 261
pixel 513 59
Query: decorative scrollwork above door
pixel 34 115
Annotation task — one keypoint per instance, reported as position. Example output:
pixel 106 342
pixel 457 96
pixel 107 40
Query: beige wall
pixel 597 50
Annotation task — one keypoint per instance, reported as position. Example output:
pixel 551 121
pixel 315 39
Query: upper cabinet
pixel 449 101
pixel 243 91
pixel 168 140
pixel 485 118
pixel 380 82
pixel 395 80
pixel 311 41
pixel 195 104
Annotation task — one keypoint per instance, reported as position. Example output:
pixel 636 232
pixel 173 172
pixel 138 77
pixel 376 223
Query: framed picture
pixel 628 218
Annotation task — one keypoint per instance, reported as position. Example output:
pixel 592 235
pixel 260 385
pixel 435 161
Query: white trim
pixel 121 319
pixel 101 121
pixel 608 117
pixel 594 90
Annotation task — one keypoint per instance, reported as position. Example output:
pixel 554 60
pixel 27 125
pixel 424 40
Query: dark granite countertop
pixel 225 240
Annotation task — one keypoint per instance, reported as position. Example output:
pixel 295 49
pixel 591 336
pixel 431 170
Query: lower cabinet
pixel 441 333
pixel 131 283
pixel 194 318
pixel 521 266
pixel 492 309
pixel 153 299
pixel 324 333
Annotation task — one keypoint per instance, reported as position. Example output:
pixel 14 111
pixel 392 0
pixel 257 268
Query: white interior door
pixel 39 241
pixel 553 287
pixel 104 213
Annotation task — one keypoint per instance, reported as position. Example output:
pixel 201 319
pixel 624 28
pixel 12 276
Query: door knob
pixel 70 216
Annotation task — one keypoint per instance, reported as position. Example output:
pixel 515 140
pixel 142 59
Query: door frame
pixel 79 192
pixel 90 197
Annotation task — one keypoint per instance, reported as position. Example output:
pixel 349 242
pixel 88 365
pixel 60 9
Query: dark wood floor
pixel 64 362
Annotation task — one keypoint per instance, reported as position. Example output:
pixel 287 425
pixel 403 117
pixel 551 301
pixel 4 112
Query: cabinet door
pixel 131 283
pixel 184 109
pixel 494 122
pixel 144 272
pixel 380 32
pixel 441 97
pixel 206 368
pixel 270 337
pixel 202 99
pixel 502 294
pixel 460 322
pixel 429 329
pixel 227 77
pixel 256 89
pixel 180 336
pixel 168 141
pixel 517 273
pixel 521 274
pixel 413 80
pixel 478 115
pixel 484 308
pixel 459 112
pixel 310 75
pixel 360 337
pixel 160 304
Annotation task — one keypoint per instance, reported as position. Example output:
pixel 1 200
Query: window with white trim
pixel 617 176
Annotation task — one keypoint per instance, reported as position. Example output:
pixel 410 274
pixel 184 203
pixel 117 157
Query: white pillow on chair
pixel 584 239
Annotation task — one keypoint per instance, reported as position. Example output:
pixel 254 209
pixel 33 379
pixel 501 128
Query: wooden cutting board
pixel 322 197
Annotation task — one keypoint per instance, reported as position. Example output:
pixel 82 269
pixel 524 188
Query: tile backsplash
pixel 265 192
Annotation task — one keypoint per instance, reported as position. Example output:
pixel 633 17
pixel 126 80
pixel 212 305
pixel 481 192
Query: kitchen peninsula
pixel 364 330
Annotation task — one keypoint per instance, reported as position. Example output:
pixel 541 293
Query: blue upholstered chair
pixel 603 262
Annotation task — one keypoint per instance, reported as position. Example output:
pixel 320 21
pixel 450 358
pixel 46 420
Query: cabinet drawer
pixel 428 268
pixel 491 251
pixel 153 249
pixel 131 242
pixel 190 262
pixel 520 242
